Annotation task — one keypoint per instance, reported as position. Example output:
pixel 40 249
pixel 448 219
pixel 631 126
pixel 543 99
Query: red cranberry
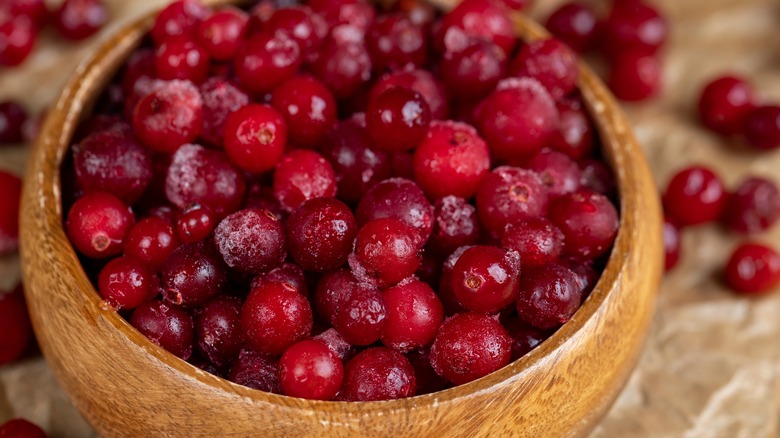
pixel 264 61
pixel 394 42
pixel 672 242
pixel 12 118
pixel 79 19
pixel 400 199
pixel 193 274
pixel 418 11
pixel 753 269
pixel 126 283
pixel 446 294
pixel 485 278
pixel 575 24
pixel 98 224
pixel 517 119
pixel 456 225
pixel 427 380
pixel 724 103
pixel 537 240
pixel 308 107
pixel 256 371
pixel 251 241
pixel 181 58
pixel 321 234
pixel 414 314
pixel 397 119
pixel 222 33
pixel 138 68
pixel 473 70
pixel 17 39
pixel 587 277
pixel 362 317
pixel 302 175
pixel 420 81
pixel 481 19
pixel 20 428
pixel 574 136
pixel 180 18
pixel 10 196
pixel 333 290
pixel 151 241
pixel 762 127
pixel 289 273
pixel 695 195
pixel 220 100
pixel 262 197
pixel 35 9
pixel 218 333
pixel 635 77
pixel 597 176
pixel 524 337
pixel 551 63
pixel 469 346
pixel 275 316
pixel 344 67
pixel 508 194
pixel 169 116
pixel 168 326
pixel 15 329
pixel 753 207
pixel 378 374
pixel 195 224
pixel 310 370
pixel 559 173
pixel 633 26
pixel 336 343
pixel 549 296
pixel 386 252
pixel 300 24
pixel 589 221
pixel 255 137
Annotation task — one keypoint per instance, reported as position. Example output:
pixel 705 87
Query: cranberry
pixel 218 333
pixel 753 269
pixel 559 173
pixel 427 380
pixel 20 428
pixel 302 175
pixel 635 27
pixel 469 346
pixel 753 207
pixel 537 240
pixel 275 316
pixel 575 136
pixel 362 317
pixel 17 39
pixel 310 370
pixel 222 33
pixel 126 283
pixel 724 104
pixel 672 242
pixel 168 326
pixel 321 233
pixel 138 68
pixel 485 278
pixel 300 24
pixel 79 19
pixel 378 374
pixel 456 225
pixel 193 274
pixel 35 9
pixel 575 24
pixel 386 252
pixel 251 241
pixel 589 221
pixel 169 116
pixel 180 18
pixel 308 107
pixel 164 212
pixel 394 41
pixel 181 58
pixel 12 118
pixel 517 119
pixel 524 337
pixel 472 71
pixel 10 197
pixel 256 371
pixel 255 137
pixel 397 119
pixel 344 67
pixel 481 19
pixel 551 63
pixel 414 314
pixel 420 81
pixel 446 294
pixel 220 100
pixel 15 329
pixel 762 127
pixel 695 195
pixel 587 277
pixel 400 199
pixel 264 61
pixel 635 77
pixel 289 273
pixel 597 176
pixel 418 11
pixel 333 290
pixel 98 224
pixel 508 194
pixel 151 241
pixel 195 224
pixel 261 197
pixel 549 296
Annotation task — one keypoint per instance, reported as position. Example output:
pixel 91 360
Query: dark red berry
pixel 414 314
pixel 537 240
pixel 597 176
pixel 695 195
pixel 256 371
pixel 79 19
pixel 524 337
pixel 255 137
pixel 486 279
pixel 15 329
pixel 421 81
pixel 551 63
pixel 559 173
pixel 181 58
pixel 589 222
pixel 398 119
pixel 394 42
pixel 456 224
pixel 264 61
pixel 35 9
pixel 378 374
pixel 508 194
pixel 20 428
pixel 221 33
pixel 308 107
pixel 362 317
pixel 193 274
pixel 635 77
pixel 321 233
pixel 275 316
pixel 289 273
pixel 471 70
pixel 386 252
pixel 169 116
pixel 300 24
pixel 575 134
pixel 753 269
pixel 343 66
pixel 302 175
pixel 575 24
pixel 17 39
pixel 151 241
pixel 218 333
pixel 180 18
pixel 482 19
pixel 672 242
pixel 251 241
pixel 724 103
pixel 310 370
pixel 762 127
pixel 549 296
pixel 633 27
pixel 125 283
pixel 12 117
pixel 98 224
pixel 333 290
pixel 357 13
pixel 195 224
pixel 400 199
pixel 427 380
pixel 753 207
pixel 10 198
pixel 168 326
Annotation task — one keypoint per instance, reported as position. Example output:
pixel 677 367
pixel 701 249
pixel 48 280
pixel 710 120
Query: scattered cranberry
pixel 222 32
pixel 753 269
pixel 151 241
pixel 181 58
pixel 12 118
pixel 126 283
pixel 479 19
pixel 485 278
pixel 414 314
pixel 672 242
pixel 524 337
pixel 15 329
pixel 20 428
pixel 79 19
pixel 588 220
pixel 362 317
pixel 401 199
pixel 321 233
pixel 17 39
pixel 724 104
pixel 308 107
pixel 98 224
pixel 275 316
pixel 264 61
pixel 195 224
pixel 169 116
pixel 255 137
pixel 310 370
pixel 302 175
pixel 251 241
pixel 508 194
pixel 472 71
pixel 762 127
pixel 218 334
pixel 378 374
pixel 168 326
pixel 635 77
pixel 695 195
pixel 10 196
pixel 386 252
pixel 576 25
pixel 257 371
pixel 549 296
pixel 180 18
pixel 635 27
pixel 551 63
pixel 537 240
pixel 456 224
pixel 753 207
pixel 193 274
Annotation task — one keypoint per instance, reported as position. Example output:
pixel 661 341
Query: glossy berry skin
pixel 575 134
pixel 193 274
pixel 421 81
pixel 551 63
pixel 524 337
pixel 166 325
pixel 195 224
pixel 310 370
pixel 724 103
pixel 362 317
pixel 414 314
pixel 378 374
pixel 289 273
pixel 452 159
pixel 12 117
pixel 17 39
pixel 694 195
pixel 151 241
pixel 169 116
pixel 508 194
pixel 275 316
pixel 762 127
pixel 299 24
pixel 251 241
pixel 473 70
pixel 398 119
pixel 180 18
pixel 589 222
pixel 222 32
pixel 125 283
pixel 456 224
pixel 394 42
pixel 10 198
pixel 386 252
pixel 264 61
pixel 537 240
pixel 753 207
pixel 753 269
pixel 481 19
pixel 221 98
pixel 218 333
pixel 635 27
pixel 321 233
pixel 401 199
pixel 20 428
pixel 16 331
pixel 485 279
pixel 672 242
pixel 255 137
pixel 559 173
pixel 257 371
pixel 549 296
pixel 635 77
pixel 79 19
pixel 181 58
pixel 98 224
pixel 308 107
pixel 343 66
pixel 333 290
pixel 469 346
pixel 302 175
pixel 576 25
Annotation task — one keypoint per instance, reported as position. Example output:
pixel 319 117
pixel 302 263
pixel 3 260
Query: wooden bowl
pixel 126 386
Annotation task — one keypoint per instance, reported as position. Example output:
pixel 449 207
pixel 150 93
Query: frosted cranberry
pixel 151 241
pixel 469 346
pixel 357 13
pixel 300 24
pixel 485 278
pixel 35 9
pixel 218 333
pixel 10 198
pixel 310 370
pixel 362 317
pixel 635 77
pixel 414 314
pixel 256 371
pixel 168 326
pixel 589 221
pixel 181 58
pixel 17 39
pixel 98 224
pixel 289 273
pixel 378 374
pixel 597 176
pixel 559 173
pixel 537 240
pixel 386 252
pixel 753 207
pixel 255 137
pixel 20 428
pixel 524 337
pixel 517 119
pixel 479 19
pixel 308 107
pixel 180 18
pixel 169 116
pixel 220 99
pixel 633 26
pixel 551 63
pixel 125 283
pixel 456 224
pixel 394 41
pixel 472 71
pixel 400 199
pixel 397 119
pixel 193 274
pixel 574 136
pixel 221 34
pixel 274 317
pixel 264 61
pixel 672 242
pixel 420 81
pixel 344 67
pixel 201 176
pixel 79 19
pixel 333 290
pixel 575 24
pixel 251 241
pixel 724 103
pixel 762 127
pixel 320 233
pixel 695 195
pixel 195 224
pixel 15 329
pixel 302 175
pixel 12 117
pixel 336 343
pixel 753 269
pixel 508 194
pixel 549 296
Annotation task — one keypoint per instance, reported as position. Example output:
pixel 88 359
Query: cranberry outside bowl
pixel 126 386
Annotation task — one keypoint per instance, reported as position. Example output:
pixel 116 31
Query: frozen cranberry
pixel 479 19
pixel 321 233
pixel 289 273
pixel 169 116
pixel 574 136
pixel 195 224
pixel 168 326
pixel 300 24
pixel 472 71
pixel 35 9
pixel 517 119
pixel 302 175
pixel 559 173
pixel 394 41
pixel 362 317
pixel 12 117
pixel 378 374
pixel 386 252
pixel 414 314
pixel 193 274
pixel 255 137
pixel 264 61
pixel 256 371
pixel 344 67
pixel 251 241
pixel 397 119
pixel 400 199
pixel 672 242
pixel 98 224
pixel 635 77
pixel 597 176
pixel 274 317
pixel 456 224
pixel 221 34
pixel 15 329
pixel 126 283
pixel 310 370
pixel 218 334
pixel 537 240
pixel 549 296
pixel 17 39
pixel 485 278
pixel 181 58
pixel 420 81
pixel 358 13
pixel 220 99
pixel 336 343
pixel 333 290
pixel 79 19
pixel 201 176
pixel 469 346
pixel 589 221
pixel 524 337
pixel 261 197
pixel 695 195
pixel 508 194
pixel 308 107
pixel 762 127
pixel 551 63
pixel 724 103
pixel 753 269
pixel 575 24
pixel 633 26
pixel 753 207
pixel 180 18
pixel 151 241
pixel 10 196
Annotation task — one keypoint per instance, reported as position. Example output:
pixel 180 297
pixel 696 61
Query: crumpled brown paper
pixel 711 367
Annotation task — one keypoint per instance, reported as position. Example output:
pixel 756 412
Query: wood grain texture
pixel 126 386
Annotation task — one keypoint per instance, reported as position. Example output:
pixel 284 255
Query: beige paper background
pixel 711 367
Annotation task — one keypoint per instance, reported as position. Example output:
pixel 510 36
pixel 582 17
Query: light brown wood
pixel 126 386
